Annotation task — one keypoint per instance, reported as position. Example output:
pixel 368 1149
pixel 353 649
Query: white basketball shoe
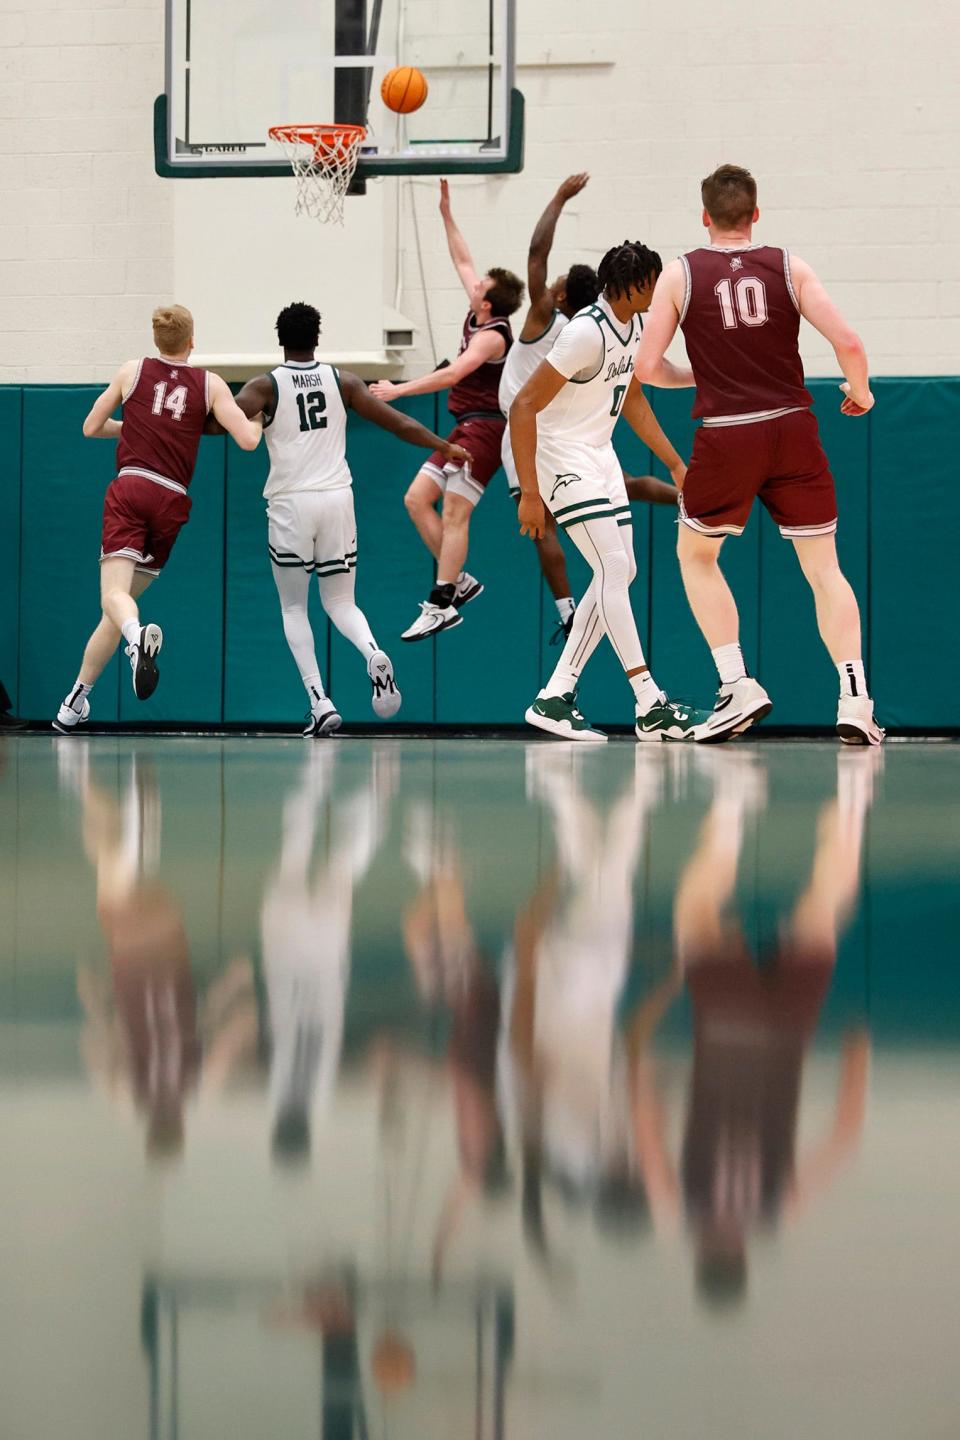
pixel 855 721
pixel 386 698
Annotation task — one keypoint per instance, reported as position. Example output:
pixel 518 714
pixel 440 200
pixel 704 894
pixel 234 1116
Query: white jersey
pixel 596 354
pixel 307 436
pixel 523 357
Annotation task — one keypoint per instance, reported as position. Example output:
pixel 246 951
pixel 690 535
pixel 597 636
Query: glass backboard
pixel 234 68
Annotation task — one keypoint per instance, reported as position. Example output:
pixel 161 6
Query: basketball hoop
pixel 323 159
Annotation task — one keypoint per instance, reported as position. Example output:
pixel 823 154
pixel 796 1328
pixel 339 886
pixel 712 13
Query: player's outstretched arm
pixel 458 247
pixel 648 490
pixel 541 243
pixel 817 307
pixel 487 345
pixel 245 431
pixel 644 424
pixel 258 397
pixel 659 328
pixel 359 398
pixel 543 386
pixel 99 425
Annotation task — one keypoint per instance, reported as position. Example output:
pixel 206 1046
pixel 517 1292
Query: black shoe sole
pixel 458 603
pixel 738 728
pixel 67 729
pixel 329 724
pixel 852 735
pixel 428 634
pixel 146 676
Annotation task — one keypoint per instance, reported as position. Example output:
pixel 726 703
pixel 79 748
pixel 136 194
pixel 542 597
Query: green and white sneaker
pixel 670 720
pixel 558 715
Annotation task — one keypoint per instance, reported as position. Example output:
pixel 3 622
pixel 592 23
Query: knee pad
pixel 617 569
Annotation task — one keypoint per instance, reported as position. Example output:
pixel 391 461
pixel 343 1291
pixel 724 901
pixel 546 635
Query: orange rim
pixel 324 138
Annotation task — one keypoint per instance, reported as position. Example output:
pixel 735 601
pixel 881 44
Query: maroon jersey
pixel 479 393
pixel 741 320
pixel 163 419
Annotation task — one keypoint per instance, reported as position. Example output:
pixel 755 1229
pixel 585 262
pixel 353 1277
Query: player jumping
pixel 739 306
pixel 561 427
pixel 473 380
pixel 165 407
pixel 312 529
pixel 551 306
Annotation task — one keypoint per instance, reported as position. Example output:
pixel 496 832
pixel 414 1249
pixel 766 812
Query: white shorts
pixel 314 529
pixel 581 482
pixel 509 465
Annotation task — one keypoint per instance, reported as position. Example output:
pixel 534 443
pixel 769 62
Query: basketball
pixel 404 89
pixel 392 1363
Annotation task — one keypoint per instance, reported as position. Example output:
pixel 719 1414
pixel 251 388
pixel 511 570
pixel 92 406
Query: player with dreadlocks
pixel 561 428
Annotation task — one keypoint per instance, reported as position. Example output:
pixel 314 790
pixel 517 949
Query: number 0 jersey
pixel 740 320
pixel 307 436
pixel 164 413
pixel 596 353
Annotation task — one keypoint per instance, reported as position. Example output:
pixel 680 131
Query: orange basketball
pixel 392 1363
pixel 403 89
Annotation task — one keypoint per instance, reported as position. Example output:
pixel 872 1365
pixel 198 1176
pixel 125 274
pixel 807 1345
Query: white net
pixel 323 159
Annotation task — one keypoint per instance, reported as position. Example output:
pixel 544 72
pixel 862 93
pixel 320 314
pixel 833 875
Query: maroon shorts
pixel 781 462
pixel 141 520
pixel 482 436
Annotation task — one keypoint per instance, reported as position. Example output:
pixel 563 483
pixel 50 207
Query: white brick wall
pixel 86 234
pixel 852 129
pixel 850 122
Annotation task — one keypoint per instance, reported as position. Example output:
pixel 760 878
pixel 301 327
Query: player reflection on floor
pixel 145 1039
pixel 454 979
pixel 754 1019
pixel 564 1065
pixel 305 928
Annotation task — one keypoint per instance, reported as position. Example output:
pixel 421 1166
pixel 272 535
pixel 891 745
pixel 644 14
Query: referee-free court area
pixel 477 1088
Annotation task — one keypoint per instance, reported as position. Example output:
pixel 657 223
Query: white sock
pixel 336 593
pixel 314 688
pixel 729 662
pixel 130 630
pixel 852 679
pixel 565 608
pixel 647 692
pixel 78 694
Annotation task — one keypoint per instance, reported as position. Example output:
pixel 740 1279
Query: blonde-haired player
pixel 166 402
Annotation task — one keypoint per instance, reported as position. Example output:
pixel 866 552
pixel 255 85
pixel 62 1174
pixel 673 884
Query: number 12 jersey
pixel 307 435
pixel 740 320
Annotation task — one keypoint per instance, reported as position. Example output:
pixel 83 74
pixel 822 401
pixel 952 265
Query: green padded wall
pixel 11 416
pixel 914 521
pixel 63 480
pixel 225 658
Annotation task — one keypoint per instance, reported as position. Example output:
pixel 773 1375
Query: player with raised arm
pixel 739 306
pixel 311 525
pixel 551 306
pixel 473 380
pixel 561 427
pixel 166 403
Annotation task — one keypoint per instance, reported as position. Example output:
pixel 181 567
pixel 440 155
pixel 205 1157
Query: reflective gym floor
pixel 478 1089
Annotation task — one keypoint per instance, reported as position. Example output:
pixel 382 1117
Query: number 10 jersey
pixel 741 321
pixel 307 435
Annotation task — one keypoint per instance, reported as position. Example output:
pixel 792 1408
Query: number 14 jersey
pixel 307 436
pixel 740 320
